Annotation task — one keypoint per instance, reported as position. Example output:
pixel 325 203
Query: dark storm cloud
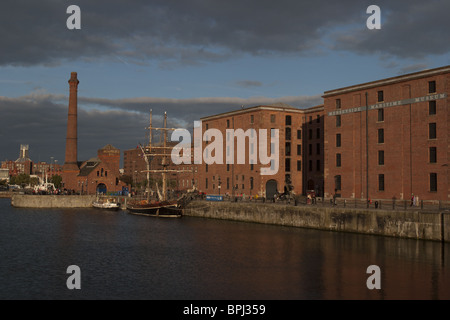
pixel 197 31
pixel 39 120
pixel 412 29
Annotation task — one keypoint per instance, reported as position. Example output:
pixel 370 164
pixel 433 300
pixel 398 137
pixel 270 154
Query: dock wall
pixel 396 223
pixel 51 201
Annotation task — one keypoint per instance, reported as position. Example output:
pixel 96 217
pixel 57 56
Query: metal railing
pixel 381 204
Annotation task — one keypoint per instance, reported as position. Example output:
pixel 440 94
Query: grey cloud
pixel 249 83
pixel 39 120
pixel 410 29
pixel 173 33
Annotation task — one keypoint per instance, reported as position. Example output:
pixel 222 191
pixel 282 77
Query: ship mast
pixel 148 152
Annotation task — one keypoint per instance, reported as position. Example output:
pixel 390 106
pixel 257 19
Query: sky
pixel 191 59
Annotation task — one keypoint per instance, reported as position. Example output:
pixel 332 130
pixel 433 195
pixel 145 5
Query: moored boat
pixel 108 204
pixel 169 209
pixel 162 207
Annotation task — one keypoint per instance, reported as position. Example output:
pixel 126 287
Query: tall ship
pixel 162 206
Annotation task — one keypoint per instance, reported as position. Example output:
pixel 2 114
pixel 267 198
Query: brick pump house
pixel 98 174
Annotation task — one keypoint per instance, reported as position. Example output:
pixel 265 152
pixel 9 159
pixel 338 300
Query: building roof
pixel 272 107
pixel 109 147
pixel 388 81
pixel 88 166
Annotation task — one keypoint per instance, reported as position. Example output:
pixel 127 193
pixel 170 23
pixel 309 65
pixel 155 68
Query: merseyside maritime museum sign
pixel 390 104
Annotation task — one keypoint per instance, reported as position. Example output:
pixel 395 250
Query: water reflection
pixel 123 256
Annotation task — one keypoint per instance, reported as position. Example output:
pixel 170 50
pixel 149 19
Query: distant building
pixel 135 167
pixel 23 164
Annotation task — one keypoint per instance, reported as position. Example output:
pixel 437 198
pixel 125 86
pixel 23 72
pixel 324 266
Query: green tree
pixel 34 181
pixel 56 180
pixel 21 179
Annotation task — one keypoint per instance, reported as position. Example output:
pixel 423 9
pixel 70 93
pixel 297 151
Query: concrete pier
pixel 405 224
pixel 51 201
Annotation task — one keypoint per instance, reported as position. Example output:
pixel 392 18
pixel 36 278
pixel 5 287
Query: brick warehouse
pixel 300 150
pixel 405 149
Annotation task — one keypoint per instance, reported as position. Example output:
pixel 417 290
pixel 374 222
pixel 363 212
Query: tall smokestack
pixel 71 161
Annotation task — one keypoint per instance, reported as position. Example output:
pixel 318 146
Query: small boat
pixel 108 204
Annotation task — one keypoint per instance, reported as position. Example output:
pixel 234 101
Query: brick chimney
pixel 70 168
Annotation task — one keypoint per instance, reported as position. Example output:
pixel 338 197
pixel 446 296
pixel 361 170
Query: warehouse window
pixel 338 103
pixel 432 107
pixel 433 155
pixel 380 95
pixel 381 182
pixel 431 86
pixel 299 134
pixel 288 149
pixel 338 120
pixel 381 157
pixel 380 135
pixel 288 133
pixel 432 130
pixel 338 159
pixel 380 115
pixel 299 165
pixel 338 139
pixel 287 163
pixel 433 182
pixel 299 149
pixel 337 182
pixel 288 120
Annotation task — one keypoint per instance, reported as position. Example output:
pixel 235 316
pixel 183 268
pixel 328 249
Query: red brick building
pixel 300 162
pixel 99 174
pixel 396 147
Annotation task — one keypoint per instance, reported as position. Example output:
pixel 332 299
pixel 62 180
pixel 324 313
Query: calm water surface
pixel 123 256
